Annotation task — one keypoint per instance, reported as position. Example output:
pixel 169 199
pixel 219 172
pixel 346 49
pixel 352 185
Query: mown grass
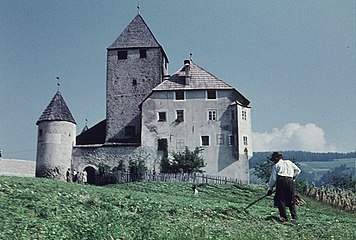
pixel 48 209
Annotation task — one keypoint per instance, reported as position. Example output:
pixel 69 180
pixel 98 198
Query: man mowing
pixel 282 176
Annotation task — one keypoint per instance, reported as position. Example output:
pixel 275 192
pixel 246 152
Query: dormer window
pixel 143 53
pixel 122 54
pixel 211 94
pixel 179 95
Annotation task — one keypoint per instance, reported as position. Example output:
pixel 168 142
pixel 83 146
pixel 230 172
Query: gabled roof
pixel 93 135
pixel 199 79
pixel 57 110
pixel 136 34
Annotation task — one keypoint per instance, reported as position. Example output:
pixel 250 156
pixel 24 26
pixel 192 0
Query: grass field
pixel 48 209
pixel 327 165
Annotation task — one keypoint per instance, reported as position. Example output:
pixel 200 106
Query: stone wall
pixel 129 81
pixel 93 155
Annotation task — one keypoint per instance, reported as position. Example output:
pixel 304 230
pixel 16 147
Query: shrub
pixel 186 161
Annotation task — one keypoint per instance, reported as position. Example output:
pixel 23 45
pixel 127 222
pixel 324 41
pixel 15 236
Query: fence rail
pixel 195 178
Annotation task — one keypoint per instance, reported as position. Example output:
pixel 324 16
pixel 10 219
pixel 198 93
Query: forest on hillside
pixel 301 156
pixel 318 168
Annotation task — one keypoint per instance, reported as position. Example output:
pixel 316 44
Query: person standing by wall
pixel 282 176
pixel 68 178
pixel 84 176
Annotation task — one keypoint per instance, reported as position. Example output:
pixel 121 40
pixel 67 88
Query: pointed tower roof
pixel 136 34
pixel 57 110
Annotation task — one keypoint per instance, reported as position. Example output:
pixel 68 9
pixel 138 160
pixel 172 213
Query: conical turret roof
pixel 57 110
pixel 136 34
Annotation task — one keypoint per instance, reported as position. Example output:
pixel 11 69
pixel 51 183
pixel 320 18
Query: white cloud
pixel 293 136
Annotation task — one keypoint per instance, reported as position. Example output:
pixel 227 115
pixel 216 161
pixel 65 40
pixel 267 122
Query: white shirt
pixel 285 168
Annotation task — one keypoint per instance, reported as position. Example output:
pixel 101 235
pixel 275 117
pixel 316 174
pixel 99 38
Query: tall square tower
pixel 136 63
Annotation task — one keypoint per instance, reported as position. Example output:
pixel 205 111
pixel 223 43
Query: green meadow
pixel 34 208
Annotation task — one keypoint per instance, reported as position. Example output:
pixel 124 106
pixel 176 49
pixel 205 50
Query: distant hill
pixel 313 165
pixel 301 156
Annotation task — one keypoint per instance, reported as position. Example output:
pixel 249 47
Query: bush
pixel 186 161
pixel 137 170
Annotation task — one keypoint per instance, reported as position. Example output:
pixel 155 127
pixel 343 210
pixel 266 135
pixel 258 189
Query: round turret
pixel 56 138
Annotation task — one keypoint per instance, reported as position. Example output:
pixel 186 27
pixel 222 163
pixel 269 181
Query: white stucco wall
pixel 221 158
pixel 54 148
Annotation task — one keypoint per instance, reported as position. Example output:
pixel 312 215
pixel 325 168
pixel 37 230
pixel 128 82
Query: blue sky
pixel 294 60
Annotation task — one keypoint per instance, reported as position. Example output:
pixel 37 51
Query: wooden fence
pixel 194 178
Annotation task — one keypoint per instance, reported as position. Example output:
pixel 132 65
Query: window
pixel 134 82
pixel 180 144
pixel 244 115
pixel 130 130
pixel 143 53
pixel 180 116
pixel 245 140
pixel 211 94
pixel 162 117
pixel 231 140
pixel 220 139
pixel 40 132
pixel 205 140
pixel 162 144
pixel 212 114
pixel 180 95
pixel 122 54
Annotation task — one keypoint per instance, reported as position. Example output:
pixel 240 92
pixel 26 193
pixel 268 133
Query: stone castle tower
pixel 136 63
pixel 56 138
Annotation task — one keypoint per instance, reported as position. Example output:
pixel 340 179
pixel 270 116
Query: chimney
pixel 187 68
pixel 166 77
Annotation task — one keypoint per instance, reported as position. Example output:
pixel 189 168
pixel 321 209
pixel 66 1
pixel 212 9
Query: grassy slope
pixel 47 209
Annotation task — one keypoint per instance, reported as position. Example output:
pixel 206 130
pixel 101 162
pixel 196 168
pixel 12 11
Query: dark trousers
pixel 285 197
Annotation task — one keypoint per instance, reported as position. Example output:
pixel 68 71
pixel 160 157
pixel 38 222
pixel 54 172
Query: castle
pixel 147 112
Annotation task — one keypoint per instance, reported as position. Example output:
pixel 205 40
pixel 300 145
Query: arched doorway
pixel 90 174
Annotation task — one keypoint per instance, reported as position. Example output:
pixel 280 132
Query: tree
pixel 104 175
pixel 263 170
pixel 165 164
pixel 340 177
pixel 120 167
pixel 188 161
pixel 184 161
pixel 137 169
